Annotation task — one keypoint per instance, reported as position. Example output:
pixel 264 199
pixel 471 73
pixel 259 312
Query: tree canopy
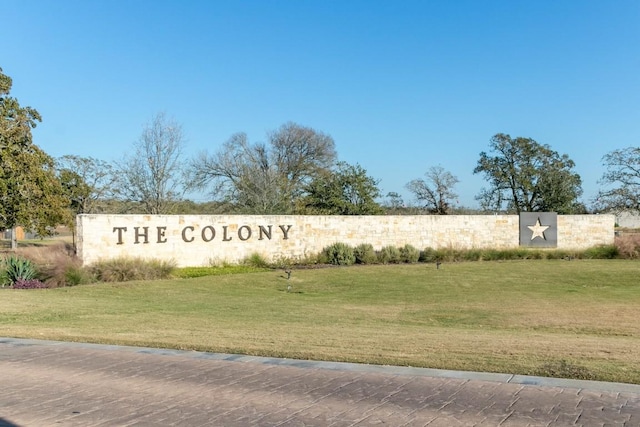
pixel 86 181
pixel 30 192
pixel 347 190
pixel 525 176
pixel 265 178
pixel 436 191
pixel 621 180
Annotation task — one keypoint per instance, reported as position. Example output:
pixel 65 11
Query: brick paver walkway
pixel 48 383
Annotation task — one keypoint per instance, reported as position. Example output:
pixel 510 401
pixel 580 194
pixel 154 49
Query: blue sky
pixel 400 85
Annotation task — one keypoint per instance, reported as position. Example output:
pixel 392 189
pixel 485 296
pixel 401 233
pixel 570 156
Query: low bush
pixel 628 245
pixel 601 252
pixel 256 260
pixel 365 254
pixel 472 255
pixel 124 269
pixel 560 254
pixel 29 284
pixel 409 254
pixel 449 255
pixel 339 254
pixel 427 255
pixel 389 255
pixel 74 275
pixel 536 254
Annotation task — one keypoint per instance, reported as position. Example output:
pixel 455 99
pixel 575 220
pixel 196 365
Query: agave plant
pixel 14 268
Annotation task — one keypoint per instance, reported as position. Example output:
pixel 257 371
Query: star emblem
pixel 537 230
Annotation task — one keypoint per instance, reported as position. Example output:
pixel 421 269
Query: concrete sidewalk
pixel 47 383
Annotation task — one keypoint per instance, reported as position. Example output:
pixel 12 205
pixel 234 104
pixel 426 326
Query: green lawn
pixel 547 317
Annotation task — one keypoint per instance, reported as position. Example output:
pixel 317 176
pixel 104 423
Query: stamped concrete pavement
pixel 49 383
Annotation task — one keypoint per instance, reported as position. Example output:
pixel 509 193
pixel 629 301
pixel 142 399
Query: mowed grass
pixel 576 319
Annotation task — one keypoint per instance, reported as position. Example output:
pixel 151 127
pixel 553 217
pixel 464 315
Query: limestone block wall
pixel 200 240
pixel 585 231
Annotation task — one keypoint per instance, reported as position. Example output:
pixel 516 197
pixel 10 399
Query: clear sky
pixel 401 85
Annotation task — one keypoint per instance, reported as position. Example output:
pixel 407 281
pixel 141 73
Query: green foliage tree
pixel 622 179
pixel 265 178
pixel 436 191
pixel 87 182
pixel 525 176
pixel 153 176
pixel 347 190
pixel 30 192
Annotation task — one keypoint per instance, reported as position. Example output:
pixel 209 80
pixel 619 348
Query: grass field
pixel 575 319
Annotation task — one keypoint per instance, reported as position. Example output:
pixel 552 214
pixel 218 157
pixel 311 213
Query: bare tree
pixel 436 191
pixel 153 176
pixel 622 177
pixel 264 178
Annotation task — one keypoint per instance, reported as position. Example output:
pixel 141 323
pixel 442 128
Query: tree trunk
pixel 13 233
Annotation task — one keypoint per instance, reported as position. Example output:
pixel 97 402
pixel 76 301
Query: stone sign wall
pixel 201 240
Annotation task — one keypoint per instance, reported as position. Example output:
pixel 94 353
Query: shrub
pixel 339 254
pixel 365 254
pixel 448 255
pixel 428 255
pixel 560 254
pixel 535 255
pixel 409 254
pixel 73 276
pixel 14 268
pixel 628 245
pixel 323 258
pixel 256 260
pixel 124 269
pixel 389 255
pixel 472 255
pixel 602 252
pixel 28 284
pixel 497 254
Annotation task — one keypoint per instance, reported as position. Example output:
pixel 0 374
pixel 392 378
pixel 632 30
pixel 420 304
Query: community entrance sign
pixel 200 240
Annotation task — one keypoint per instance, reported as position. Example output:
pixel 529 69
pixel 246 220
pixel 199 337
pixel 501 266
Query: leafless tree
pixel 153 175
pixel 264 178
pixel 621 180
pixel 436 191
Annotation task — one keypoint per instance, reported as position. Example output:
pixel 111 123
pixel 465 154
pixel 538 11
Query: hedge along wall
pixel 200 240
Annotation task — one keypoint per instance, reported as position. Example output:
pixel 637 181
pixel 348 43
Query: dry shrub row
pixel 628 245
pixel 58 266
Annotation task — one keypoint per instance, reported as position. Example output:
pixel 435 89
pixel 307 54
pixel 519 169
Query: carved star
pixel 537 230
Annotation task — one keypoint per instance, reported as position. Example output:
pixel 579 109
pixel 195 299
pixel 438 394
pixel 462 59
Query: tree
pixel 394 201
pixel 347 190
pixel 435 192
pixel 153 176
pixel 30 193
pixel 265 178
pixel 86 181
pixel 622 175
pixel 526 176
